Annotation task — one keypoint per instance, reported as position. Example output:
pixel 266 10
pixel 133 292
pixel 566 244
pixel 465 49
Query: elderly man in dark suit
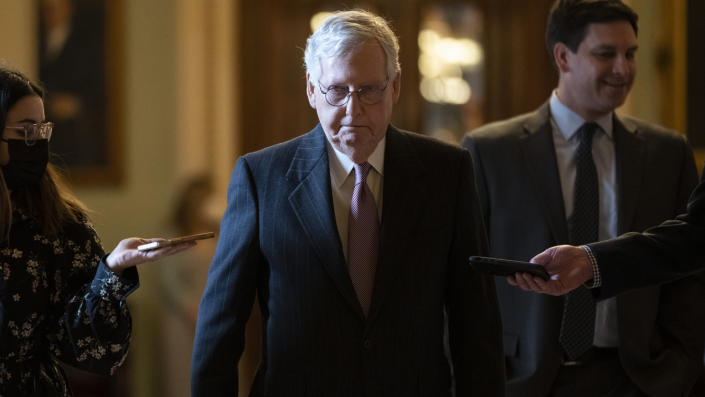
pixel 575 172
pixel 355 238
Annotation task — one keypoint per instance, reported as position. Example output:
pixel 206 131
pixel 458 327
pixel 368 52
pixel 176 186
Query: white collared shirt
pixel 342 183
pixel 566 123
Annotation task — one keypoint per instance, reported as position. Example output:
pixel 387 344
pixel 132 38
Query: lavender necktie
pixel 363 237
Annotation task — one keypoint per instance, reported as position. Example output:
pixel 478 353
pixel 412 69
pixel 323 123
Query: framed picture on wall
pixel 80 58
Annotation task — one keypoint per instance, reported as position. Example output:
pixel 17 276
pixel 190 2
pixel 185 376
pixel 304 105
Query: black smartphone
pixel 507 267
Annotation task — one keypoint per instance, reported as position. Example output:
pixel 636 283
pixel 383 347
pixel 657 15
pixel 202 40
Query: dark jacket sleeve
pixel 678 339
pixel 669 251
pixel 476 347
pixel 229 294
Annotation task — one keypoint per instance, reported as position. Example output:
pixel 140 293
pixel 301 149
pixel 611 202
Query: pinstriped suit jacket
pixel 279 241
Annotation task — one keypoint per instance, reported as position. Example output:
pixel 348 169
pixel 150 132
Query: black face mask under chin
pixel 27 163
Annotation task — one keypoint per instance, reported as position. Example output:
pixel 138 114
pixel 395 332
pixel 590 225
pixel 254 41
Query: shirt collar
pixel 341 165
pixel 568 122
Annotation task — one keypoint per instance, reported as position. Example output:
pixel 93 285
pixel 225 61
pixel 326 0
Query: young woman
pixel 61 298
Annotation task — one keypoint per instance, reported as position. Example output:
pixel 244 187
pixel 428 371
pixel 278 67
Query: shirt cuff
pixel 596 278
pixel 109 285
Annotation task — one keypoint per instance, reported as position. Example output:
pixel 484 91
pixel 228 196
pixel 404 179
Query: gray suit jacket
pixel 279 240
pixel 661 329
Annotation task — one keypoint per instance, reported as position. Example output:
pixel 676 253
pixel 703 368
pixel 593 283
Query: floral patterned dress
pixel 58 302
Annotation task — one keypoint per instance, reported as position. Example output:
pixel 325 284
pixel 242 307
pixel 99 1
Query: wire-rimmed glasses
pixel 339 96
pixel 34 132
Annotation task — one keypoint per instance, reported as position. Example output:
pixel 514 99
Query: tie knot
pixel 586 132
pixel 361 171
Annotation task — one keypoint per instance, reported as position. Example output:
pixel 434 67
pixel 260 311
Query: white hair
pixel 344 32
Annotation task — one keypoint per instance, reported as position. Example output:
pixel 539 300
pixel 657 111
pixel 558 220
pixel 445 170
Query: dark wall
pixel 696 73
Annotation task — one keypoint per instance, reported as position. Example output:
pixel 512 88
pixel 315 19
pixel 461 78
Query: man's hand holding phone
pixel 506 267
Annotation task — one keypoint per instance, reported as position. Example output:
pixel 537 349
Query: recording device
pixel 176 240
pixel 506 267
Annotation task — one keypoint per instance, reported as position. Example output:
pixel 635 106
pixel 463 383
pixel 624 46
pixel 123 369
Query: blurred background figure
pixel 198 208
pixel 184 278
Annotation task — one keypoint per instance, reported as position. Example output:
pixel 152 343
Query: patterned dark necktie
pixel 578 325
pixel 363 237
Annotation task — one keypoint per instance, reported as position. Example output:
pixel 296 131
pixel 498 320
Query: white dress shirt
pixel 566 123
pixel 342 183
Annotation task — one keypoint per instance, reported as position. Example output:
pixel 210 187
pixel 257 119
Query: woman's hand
pixel 126 255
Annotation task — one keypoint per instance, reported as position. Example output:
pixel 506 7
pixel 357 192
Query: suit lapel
pixel 540 159
pixel 310 200
pixel 629 153
pixel 405 195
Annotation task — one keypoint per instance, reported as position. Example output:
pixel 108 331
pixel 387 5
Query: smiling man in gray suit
pixel 574 172
pixel 355 238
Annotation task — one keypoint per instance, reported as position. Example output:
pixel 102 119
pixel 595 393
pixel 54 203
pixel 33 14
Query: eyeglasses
pixel 34 132
pixel 339 96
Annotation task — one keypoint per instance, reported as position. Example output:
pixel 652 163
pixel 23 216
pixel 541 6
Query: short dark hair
pixel 569 19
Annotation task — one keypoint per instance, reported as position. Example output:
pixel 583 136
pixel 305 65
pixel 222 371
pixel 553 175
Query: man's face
pixel 356 128
pixel 597 78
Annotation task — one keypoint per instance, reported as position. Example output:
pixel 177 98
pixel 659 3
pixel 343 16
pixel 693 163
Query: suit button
pixel 366 344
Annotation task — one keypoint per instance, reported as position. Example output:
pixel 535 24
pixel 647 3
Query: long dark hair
pixel 49 202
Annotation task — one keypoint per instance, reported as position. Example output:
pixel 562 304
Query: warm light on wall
pixel 465 52
pixel 318 18
pixel 451 90
pixel 441 64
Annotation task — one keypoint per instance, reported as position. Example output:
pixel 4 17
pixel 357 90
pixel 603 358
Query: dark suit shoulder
pixel 429 153
pixel 652 131
pixel 425 145
pixel 281 154
pixel 503 129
